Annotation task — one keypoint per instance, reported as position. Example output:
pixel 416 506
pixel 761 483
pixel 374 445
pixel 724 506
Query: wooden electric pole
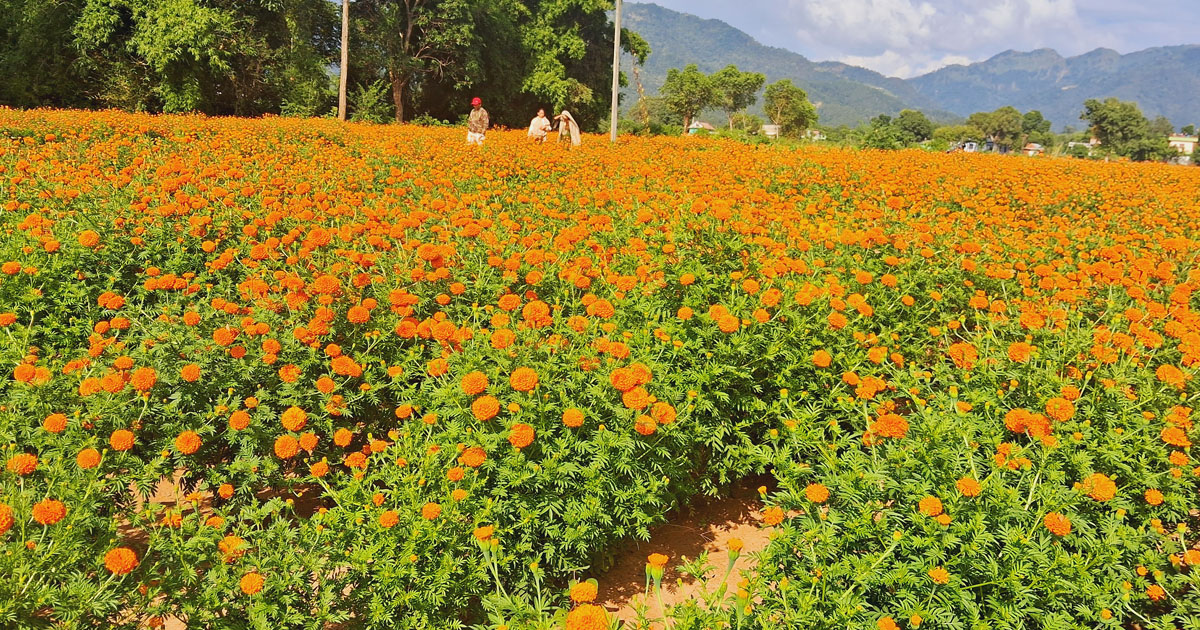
pixel 612 121
pixel 344 69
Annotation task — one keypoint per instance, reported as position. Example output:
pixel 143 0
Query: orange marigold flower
pixel 6 518
pixel 87 458
pixel 572 418
pixel 22 463
pixel 886 623
pixel 930 506
pixel 345 366
pixel 587 617
pixel 431 511
pixel 143 379
pixel 1099 487
pixel 817 493
pixel 190 372
pixel 645 425
pixel 1171 375
pixel 232 548
pixel 485 408
pixel 474 383
pixel 484 533
pixel 521 435
pixel 728 323
pixel 473 457
pixel 120 561
pixel 251 583
pixel 772 516
pixel 294 419
pixel 637 398
pixel 1058 524
pixel 1175 436
pixel 319 469
pixel 342 437
pixel 1154 497
pixel 657 560
pixel 188 442
pixel 968 487
pixel 939 575
pixel 523 379
pixel 388 519
pixel 1060 409
pixel 239 420
pixel 286 447
pixel 121 440
pixel 49 511
pixel 89 239
pixel 1020 352
pixel 358 315
pixel 24 373
pixel 890 425
pixel 583 592
pixel 1156 592
pixel 822 359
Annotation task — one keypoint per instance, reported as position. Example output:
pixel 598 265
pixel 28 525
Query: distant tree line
pixel 688 92
pixel 249 57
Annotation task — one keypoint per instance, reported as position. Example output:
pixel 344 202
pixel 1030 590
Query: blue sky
pixel 910 37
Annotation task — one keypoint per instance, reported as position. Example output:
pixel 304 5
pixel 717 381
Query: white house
pixel 697 126
pixel 770 131
pixel 1184 144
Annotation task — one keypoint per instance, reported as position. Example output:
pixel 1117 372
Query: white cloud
pixel 910 37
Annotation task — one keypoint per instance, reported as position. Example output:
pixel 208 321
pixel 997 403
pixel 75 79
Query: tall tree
pixel 1036 128
pixel 689 92
pixel 913 126
pixel 418 40
pixel 1160 126
pixel 1116 124
pixel 1003 126
pixel 736 89
pixel 1188 130
pixel 788 107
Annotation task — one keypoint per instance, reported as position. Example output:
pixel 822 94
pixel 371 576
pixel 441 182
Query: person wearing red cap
pixel 477 122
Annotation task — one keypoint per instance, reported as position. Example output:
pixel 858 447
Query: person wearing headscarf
pixel 539 126
pixel 567 127
pixel 477 122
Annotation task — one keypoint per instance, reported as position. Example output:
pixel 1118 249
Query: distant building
pixel 1184 144
pixel 970 147
pixel 698 126
pixel 1033 149
pixel 770 131
pixel 815 135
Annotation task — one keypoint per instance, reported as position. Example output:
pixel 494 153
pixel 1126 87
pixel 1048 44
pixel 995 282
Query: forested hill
pixel 1163 81
pixel 843 94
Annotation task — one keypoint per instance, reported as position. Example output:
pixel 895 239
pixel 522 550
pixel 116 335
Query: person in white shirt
pixel 539 126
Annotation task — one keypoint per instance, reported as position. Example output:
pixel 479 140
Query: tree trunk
pixel 344 70
pixel 398 85
pixel 687 122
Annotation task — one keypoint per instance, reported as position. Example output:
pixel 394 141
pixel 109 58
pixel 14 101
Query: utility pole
pixel 612 124
pixel 344 69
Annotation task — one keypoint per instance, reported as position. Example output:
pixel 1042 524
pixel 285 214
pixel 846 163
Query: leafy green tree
pixel 689 92
pixel 1003 126
pixel 736 89
pixel 1116 124
pixel 1036 128
pixel 1188 130
pixel 421 40
pixel 1160 126
pixel 748 123
pixel 954 134
pixel 913 127
pixel 883 133
pixel 788 107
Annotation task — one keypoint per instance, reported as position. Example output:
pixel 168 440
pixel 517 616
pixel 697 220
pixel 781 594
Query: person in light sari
pixel 568 128
pixel 539 126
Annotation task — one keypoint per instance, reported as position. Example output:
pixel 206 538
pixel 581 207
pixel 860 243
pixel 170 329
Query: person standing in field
pixel 568 128
pixel 539 126
pixel 477 122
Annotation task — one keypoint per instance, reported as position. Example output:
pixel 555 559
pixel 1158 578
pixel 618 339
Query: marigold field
pixel 391 381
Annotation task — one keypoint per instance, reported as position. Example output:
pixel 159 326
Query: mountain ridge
pixel 1162 80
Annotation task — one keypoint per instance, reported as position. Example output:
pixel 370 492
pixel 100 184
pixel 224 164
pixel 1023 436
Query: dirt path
pixel 708 526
